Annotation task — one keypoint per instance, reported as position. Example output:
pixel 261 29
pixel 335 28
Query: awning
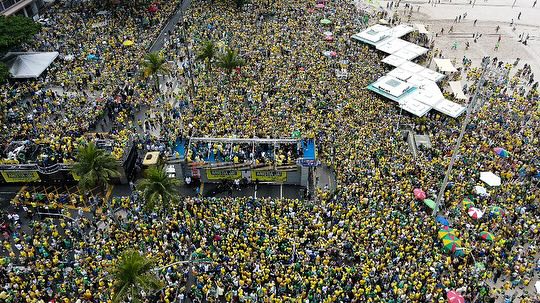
pixel 457 90
pixel 28 65
pixel 445 65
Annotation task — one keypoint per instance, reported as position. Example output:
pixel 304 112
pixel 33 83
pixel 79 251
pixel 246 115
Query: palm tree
pixel 153 64
pixel 132 275
pixel 94 166
pixel 207 53
pixel 158 190
pixel 230 60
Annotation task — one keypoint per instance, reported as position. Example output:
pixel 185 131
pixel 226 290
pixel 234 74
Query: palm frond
pixel 158 190
pixel 94 166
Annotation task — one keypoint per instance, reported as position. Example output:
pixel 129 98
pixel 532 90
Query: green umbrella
pixel 467 203
pixel 326 21
pixel 487 236
pixel 497 211
pixel 451 243
pixel 430 203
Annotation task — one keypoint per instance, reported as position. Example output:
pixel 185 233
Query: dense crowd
pixel 369 240
pixel 94 82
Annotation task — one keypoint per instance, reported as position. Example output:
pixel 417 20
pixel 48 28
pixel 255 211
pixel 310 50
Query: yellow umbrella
pixel 128 43
pixel 446 231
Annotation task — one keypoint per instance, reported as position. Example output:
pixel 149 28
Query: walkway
pixel 158 44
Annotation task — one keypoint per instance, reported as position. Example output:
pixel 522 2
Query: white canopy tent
pixel 490 178
pixel 457 90
pixel 414 107
pixel 450 108
pixel 445 65
pixel 421 28
pixel 29 65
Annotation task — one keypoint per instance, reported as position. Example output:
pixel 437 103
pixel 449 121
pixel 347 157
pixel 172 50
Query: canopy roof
pixel 28 64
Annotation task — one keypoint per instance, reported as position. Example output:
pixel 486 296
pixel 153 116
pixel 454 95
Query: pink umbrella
pixel 419 194
pixel 454 297
pixel 333 54
pixel 329 38
pixel 320 5
pixel 475 213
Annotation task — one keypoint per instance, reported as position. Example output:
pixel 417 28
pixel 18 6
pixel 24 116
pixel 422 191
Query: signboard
pixel 14 176
pixel 220 175
pixel 308 162
pixel 268 176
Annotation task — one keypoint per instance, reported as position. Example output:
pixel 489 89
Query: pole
pixel 455 152
pixel 513 3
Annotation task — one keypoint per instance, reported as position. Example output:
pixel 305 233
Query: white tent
pixel 415 107
pixel 490 178
pixel 445 65
pixel 537 286
pixel 457 90
pixel 29 65
pixel 450 108
pixel 421 28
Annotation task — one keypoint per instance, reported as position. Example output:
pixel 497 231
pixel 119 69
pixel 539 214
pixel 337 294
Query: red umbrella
pixel 454 297
pixel 419 194
pixel 153 8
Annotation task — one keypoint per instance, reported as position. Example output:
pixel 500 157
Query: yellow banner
pixel 20 175
pixel 220 175
pixel 268 176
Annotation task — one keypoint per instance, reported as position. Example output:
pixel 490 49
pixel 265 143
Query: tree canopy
pixel 4 72
pixel 94 166
pixel 15 30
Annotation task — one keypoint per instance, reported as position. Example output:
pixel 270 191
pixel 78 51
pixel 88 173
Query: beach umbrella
pixel 451 243
pixel 442 220
pixel 153 8
pixel 454 297
pixel 475 213
pixel 430 203
pixel 490 178
pixel 497 211
pixel 503 153
pixel 459 252
pixel 319 5
pixel 537 286
pixel 467 203
pixel 481 190
pixel 445 231
pixel 419 194
pixel 326 21
pixel 330 53
pixel 487 236
pixel 128 43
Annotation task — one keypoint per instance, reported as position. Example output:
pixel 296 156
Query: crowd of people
pixel 370 240
pixel 94 82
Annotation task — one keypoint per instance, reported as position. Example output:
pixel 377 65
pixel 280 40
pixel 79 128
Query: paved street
pixel 489 14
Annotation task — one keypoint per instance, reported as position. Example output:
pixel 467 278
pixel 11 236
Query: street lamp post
pixel 455 152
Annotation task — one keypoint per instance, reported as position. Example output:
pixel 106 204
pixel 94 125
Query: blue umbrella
pixel 92 57
pixel 442 220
